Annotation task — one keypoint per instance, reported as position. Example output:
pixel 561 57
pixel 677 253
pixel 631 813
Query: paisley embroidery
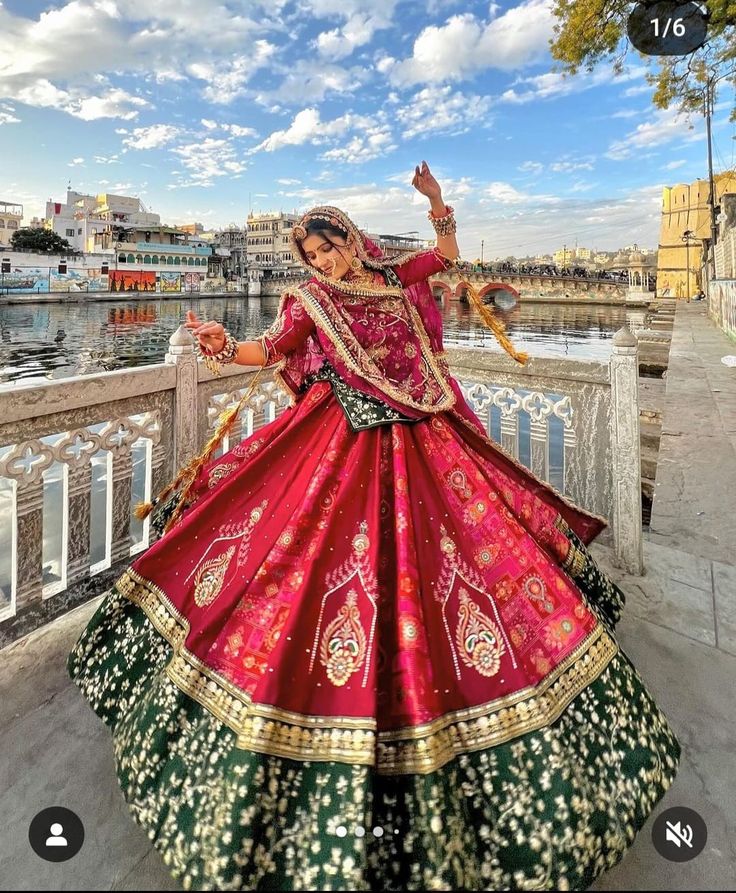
pixel 209 578
pixel 478 638
pixel 219 472
pixel 344 642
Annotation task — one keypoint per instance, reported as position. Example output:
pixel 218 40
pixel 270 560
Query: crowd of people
pixel 545 270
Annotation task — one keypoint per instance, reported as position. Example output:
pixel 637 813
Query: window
pixel 191 261
pixel 121 258
pixel 79 231
pixel 131 259
pixel 154 259
pixel 147 259
pixel 2 224
pixel 169 260
pixel 139 258
pixel 69 233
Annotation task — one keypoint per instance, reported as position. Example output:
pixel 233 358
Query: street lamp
pixel 686 236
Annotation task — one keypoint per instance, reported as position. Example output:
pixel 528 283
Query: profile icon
pixel 56 834
pixel 56 839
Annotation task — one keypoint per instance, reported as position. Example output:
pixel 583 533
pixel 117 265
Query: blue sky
pixel 205 108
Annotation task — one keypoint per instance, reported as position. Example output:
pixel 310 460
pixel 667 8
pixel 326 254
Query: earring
pixel 355 264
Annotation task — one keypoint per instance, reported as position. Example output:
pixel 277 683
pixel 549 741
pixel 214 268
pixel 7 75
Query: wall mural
pixel 24 280
pixel 135 280
pixel 170 281
pixel 87 279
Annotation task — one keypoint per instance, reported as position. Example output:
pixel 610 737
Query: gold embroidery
pixel 209 579
pixel 454 569
pixel 344 635
pixel 221 471
pixel 359 362
pixel 416 749
pixel 344 642
pixel 478 638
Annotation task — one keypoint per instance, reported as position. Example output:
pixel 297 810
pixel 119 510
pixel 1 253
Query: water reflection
pixel 50 341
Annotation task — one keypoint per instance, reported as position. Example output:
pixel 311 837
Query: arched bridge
pixel 452 286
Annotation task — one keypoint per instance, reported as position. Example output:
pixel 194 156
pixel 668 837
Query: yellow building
pixel 685 207
pixel 11 215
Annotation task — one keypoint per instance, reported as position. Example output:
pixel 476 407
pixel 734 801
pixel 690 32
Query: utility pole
pixel 482 242
pixel 711 190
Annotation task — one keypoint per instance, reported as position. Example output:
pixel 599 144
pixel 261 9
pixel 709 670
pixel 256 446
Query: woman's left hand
pixel 425 183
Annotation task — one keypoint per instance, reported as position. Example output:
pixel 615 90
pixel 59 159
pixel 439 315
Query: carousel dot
pixel 341 830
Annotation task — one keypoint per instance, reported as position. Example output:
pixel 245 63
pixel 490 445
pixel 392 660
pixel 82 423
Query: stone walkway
pixel 678 628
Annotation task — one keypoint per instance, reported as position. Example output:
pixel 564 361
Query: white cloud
pixel 107 159
pixel 115 103
pixel 207 159
pixel 673 165
pixel 73 47
pixel 153 137
pixel 552 84
pixel 371 136
pixel 286 181
pixel 531 167
pixel 465 45
pixel 438 109
pixel 234 129
pixel 668 125
pixel 75 161
pixel 358 30
pixel 306 84
pixel 226 82
pixel 8 118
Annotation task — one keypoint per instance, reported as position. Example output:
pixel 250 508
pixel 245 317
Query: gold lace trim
pixel 365 367
pixel 416 749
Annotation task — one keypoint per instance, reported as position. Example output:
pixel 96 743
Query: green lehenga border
pixel 549 810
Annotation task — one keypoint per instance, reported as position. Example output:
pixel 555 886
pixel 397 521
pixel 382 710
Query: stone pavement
pixel 678 628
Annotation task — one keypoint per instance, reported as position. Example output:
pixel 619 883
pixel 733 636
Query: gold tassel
pixel 143 510
pixel 495 325
pixel 190 471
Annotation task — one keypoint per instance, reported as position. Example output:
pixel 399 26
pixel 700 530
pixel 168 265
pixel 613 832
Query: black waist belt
pixel 360 410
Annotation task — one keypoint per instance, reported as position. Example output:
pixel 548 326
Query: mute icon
pixel 679 834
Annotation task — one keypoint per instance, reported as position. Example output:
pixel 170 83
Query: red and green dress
pixel 374 653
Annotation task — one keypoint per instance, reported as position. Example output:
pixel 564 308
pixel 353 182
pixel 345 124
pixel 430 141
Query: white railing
pixel 77 454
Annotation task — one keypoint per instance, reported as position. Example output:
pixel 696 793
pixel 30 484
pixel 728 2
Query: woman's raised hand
pixel 425 182
pixel 211 334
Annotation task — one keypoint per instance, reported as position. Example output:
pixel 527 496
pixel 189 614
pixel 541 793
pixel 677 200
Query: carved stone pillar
pixel 627 530
pixel 181 354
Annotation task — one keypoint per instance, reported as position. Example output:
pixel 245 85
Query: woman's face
pixel 328 259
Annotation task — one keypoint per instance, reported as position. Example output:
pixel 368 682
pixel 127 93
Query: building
pixel 268 243
pixel 232 243
pixel 685 208
pixel 395 245
pixel 193 229
pixel 11 215
pixel 93 222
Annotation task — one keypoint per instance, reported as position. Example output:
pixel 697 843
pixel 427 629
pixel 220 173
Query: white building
pixel 11 215
pixel 94 222
pixel 268 245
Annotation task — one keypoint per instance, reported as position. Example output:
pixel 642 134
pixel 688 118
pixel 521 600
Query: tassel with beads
pixel 495 325
pixel 189 473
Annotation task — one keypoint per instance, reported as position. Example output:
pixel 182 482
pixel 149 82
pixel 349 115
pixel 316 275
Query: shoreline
pixel 94 297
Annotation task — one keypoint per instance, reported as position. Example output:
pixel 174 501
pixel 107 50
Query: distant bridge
pixel 452 286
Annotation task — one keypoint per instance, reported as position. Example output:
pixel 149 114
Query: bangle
pixel 225 355
pixel 445 225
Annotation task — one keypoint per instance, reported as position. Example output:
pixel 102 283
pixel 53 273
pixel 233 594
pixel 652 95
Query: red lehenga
pixel 374 653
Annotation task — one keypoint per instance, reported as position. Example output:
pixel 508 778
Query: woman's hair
pixel 325 229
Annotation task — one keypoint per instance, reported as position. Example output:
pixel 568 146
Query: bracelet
pixel 225 355
pixel 445 225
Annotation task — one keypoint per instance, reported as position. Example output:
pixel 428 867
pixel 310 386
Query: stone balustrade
pixel 77 454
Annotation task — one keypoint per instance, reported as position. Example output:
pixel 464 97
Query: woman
pixel 373 652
